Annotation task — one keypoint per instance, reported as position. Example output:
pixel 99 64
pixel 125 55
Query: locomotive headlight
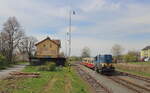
pixel 103 65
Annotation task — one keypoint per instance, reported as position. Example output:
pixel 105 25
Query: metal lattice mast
pixel 69 54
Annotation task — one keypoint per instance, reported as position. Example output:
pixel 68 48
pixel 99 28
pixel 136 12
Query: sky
pixel 97 24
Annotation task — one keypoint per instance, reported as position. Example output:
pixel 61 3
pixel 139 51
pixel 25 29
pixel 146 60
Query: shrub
pixel 2 62
pixel 67 63
pixel 49 66
pixel 43 68
pixel 59 68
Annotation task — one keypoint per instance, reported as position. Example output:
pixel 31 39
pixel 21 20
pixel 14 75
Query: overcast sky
pixel 98 24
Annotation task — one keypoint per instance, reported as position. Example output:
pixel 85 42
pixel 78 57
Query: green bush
pixel 43 68
pixel 2 62
pixel 67 63
pixel 59 68
pixel 49 66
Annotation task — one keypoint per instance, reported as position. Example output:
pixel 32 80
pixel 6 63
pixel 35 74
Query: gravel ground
pixel 113 86
pixel 5 73
pixel 136 81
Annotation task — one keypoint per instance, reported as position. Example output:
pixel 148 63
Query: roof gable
pixel 146 48
pixel 57 42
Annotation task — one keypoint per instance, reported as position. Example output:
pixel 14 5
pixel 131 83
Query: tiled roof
pixel 146 48
pixel 55 41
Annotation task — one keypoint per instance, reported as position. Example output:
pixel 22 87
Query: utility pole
pixel 70 12
pixel 70 36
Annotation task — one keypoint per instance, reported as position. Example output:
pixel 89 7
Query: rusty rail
pixel 130 85
pixel 146 79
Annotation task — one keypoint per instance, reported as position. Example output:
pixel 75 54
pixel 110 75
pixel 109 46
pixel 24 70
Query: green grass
pixel 6 66
pixel 140 63
pixel 60 81
pixel 135 72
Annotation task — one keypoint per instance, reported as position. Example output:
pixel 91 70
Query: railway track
pixel 135 76
pixel 130 85
pixel 136 88
pixel 97 86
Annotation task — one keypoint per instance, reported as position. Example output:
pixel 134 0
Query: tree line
pixel 14 41
pixel 118 55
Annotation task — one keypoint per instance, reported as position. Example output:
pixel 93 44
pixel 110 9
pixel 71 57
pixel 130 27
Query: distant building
pixel 145 52
pixel 87 59
pixel 48 48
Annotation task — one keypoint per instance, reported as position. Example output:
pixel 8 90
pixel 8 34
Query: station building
pixel 48 48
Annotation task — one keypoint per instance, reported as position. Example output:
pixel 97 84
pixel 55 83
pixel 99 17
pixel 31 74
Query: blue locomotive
pixel 104 64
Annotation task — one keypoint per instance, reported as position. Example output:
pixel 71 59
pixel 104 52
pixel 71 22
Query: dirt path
pixel 49 86
pixel 5 73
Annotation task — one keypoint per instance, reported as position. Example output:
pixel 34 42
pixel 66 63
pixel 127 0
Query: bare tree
pixel 27 46
pixel 132 56
pixel 12 33
pixel 3 46
pixel 117 51
pixel 86 52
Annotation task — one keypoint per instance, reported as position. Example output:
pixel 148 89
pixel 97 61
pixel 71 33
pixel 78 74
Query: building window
pixel 50 45
pixel 44 45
